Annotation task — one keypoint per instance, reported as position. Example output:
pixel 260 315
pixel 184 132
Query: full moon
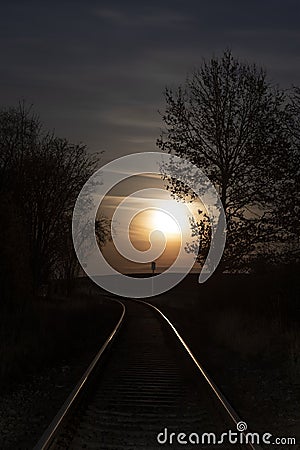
pixel 164 222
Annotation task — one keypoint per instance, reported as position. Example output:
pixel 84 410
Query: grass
pixel 252 317
pixel 47 332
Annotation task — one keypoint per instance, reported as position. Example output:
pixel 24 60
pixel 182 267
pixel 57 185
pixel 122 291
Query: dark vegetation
pixel 253 315
pixel 43 319
pixel 46 333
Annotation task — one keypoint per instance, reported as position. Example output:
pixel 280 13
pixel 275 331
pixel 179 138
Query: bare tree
pixel 43 175
pixel 287 200
pixel 67 266
pixel 230 121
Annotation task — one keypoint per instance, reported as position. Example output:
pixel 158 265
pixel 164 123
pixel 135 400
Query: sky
pixel 96 71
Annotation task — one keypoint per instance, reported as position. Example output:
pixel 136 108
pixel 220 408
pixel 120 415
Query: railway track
pixel 142 393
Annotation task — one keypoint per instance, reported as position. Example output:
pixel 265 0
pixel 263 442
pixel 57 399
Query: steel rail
pixel 53 429
pixel 220 397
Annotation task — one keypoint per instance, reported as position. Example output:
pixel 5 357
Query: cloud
pixel 152 17
pixel 97 74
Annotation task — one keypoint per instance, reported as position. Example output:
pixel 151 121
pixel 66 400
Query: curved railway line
pixel 143 382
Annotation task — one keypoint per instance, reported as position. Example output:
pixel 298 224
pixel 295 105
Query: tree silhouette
pixel 231 122
pixel 42 175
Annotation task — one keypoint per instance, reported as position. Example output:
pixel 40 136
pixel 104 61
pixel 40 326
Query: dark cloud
pixel 96 71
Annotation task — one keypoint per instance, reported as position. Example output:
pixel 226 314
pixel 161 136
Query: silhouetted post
pixel 153 266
